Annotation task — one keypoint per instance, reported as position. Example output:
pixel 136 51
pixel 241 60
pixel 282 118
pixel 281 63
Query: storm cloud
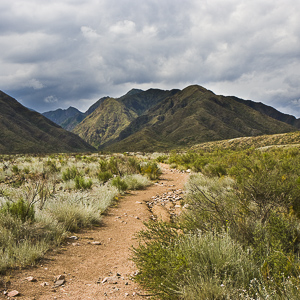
pixel 56 54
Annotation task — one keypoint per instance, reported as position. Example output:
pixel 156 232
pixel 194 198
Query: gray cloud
pixel 61 53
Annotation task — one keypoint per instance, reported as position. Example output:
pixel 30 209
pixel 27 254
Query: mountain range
pixel 151 120
pixel 25 131
pixel 159 120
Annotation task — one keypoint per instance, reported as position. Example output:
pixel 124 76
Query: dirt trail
pixel 86 265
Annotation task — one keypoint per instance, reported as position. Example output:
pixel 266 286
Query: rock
pixel 59 282
pixel 13 293
pixel 111 280
pixel 73 237
pixel 30 279
pixel 75 244
pixel 138 202
pixel 96 243
pixel 59 277
pixel 44 284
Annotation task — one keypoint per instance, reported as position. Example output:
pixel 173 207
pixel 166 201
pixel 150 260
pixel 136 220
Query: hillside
pixel 290 139
pixel 191 116
pixel 26 131
pixel 105 123
pixel 271 112
pixel 71 117
pixel 114 115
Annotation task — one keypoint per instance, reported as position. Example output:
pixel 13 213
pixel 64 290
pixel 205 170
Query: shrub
pixel 82 184
pixel 70 173
pixel 119 183
pixel 151 170
pixel 20 209
pixel 192 266
pixel 136 181
pixel 104 176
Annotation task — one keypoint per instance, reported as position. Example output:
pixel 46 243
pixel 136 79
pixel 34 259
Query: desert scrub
pixel 43 198
pixel 192 266
pixel 20 209
pixel 136 181
pixel 119 183
pixel 82 184
pixel 151 170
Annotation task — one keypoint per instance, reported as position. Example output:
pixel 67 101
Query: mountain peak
pixel 134 91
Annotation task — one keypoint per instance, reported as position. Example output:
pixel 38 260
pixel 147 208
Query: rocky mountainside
pixel 192 116
pixel 26 131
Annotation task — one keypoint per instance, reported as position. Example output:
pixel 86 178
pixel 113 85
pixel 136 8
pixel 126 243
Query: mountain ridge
pixel 26 131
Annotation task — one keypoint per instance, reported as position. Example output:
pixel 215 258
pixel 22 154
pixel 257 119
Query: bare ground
pixel 86 265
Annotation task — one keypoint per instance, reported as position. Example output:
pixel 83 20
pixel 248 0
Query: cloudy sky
pixel 56 54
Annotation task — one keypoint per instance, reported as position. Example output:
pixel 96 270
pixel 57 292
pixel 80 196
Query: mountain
pixel 192 116
pixel 140 101
pixel 93 107
pixel 71 117
pixel 61 115
pixel 114 115
pixel 105 123
pixel 271 112
pixel 26 131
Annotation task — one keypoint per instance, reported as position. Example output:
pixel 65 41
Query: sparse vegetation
pixel 42 198
pixel 239 234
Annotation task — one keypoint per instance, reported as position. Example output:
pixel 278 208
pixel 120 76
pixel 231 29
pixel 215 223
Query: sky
pixel 56 54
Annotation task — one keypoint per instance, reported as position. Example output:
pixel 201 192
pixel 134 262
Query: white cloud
pixel 33 83
pixel 51 99
pixel 125 27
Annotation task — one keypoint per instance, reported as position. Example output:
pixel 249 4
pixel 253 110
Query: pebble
pixel 13 293
pixel 30 279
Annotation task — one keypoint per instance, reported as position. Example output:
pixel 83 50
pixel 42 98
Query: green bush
pixel 119 183
pixel 104 176
pixel 151 170
pixel 70 173
pixel 82 184
pixel 192 266
pixel 20 209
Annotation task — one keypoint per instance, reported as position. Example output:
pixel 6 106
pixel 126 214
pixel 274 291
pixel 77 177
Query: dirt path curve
pixel 86 265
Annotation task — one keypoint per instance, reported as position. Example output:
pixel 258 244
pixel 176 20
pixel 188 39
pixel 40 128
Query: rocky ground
pixel 95 264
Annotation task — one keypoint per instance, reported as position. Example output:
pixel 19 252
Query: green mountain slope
pixel 140 101
pixel 26 131
pixel 71 117
pixel 105 123
pixel 271 112
pixel 191 116
pixel 114 115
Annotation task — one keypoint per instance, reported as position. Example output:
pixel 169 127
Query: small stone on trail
pixel 44 284
pixel 13 294
pixel 138 202
pixel 111 280
pixel 30 279
pixel 96 243
pixel 75 244
pixel 59 282
pixel 59 277
pixel 73 237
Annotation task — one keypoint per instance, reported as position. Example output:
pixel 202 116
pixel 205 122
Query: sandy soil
pixel 86 264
